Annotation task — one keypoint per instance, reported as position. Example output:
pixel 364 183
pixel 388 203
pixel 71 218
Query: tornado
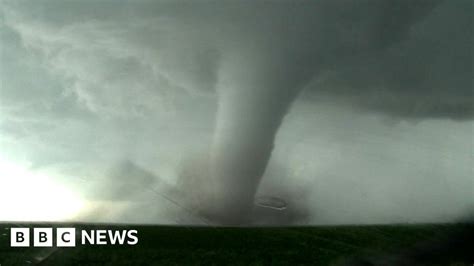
pixel 255 91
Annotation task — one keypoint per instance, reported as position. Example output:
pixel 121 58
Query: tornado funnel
pixel 255 93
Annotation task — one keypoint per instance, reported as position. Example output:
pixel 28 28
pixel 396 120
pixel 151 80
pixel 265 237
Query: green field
pixel 448 244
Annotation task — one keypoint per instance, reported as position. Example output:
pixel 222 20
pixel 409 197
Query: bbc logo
pixel 42 237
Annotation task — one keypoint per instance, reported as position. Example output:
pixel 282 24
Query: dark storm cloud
pixel 406 58
pixel 427 74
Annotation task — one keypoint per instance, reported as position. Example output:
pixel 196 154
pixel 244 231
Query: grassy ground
pixel 328 245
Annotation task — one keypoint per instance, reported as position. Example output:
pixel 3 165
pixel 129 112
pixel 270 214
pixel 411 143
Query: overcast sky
pixel 381 130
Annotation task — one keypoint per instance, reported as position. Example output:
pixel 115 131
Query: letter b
pixel 43 237
pixel 19 237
